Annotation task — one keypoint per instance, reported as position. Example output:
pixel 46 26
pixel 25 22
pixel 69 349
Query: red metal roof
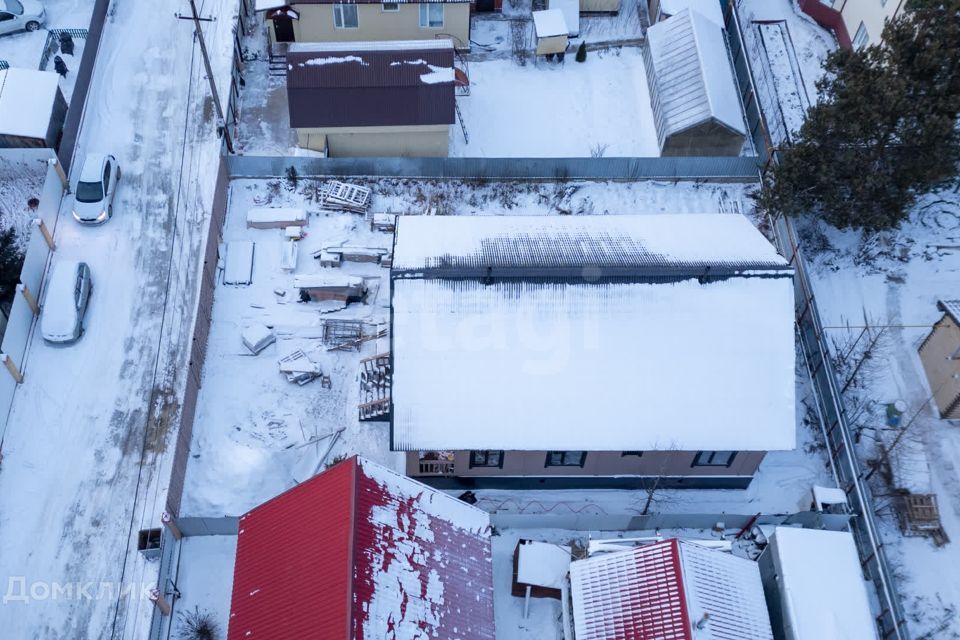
pixel 360 552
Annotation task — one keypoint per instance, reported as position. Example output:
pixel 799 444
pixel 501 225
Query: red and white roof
pixel 360 552
pixel 662 591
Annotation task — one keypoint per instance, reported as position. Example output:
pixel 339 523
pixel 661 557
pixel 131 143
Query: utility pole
pixel 221 121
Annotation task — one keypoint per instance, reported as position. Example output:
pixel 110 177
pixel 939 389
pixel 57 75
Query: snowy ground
pixel 21 180
pixel 25 49
pixel 894 281
pixel 253 428
pixel 558 110
pixel 205 580
pixel 81 470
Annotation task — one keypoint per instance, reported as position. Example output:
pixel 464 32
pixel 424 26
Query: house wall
pixel 937 355
pixel 708 139
pixel 599 6
pixel 872 13
pixel 316 24
pixel 598 464
pixel 555 44
pixel 412 141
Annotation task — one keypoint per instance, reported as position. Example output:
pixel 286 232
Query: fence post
pixel 55 163
pixel 45 230
pixel 12 368
pixel 161 603
pixel 28 296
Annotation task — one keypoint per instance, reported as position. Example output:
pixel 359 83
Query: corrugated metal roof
pixel 951 308
pixel 362 552
pixel 691 80
pixel 458 246
pixel 662 590
pixel 337 87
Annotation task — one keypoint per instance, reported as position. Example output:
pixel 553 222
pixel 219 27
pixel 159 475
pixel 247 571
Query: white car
pixel 20 15
pixel 65 302
pixel 93 199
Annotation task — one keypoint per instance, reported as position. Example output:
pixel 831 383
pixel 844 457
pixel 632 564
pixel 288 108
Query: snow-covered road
pixel 85 457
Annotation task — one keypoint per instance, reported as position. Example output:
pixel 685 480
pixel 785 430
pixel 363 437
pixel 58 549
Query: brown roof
pixel 357 85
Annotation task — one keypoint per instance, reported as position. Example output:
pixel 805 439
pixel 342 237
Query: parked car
pixel 93 200
pixel 20 15
pixel 61 319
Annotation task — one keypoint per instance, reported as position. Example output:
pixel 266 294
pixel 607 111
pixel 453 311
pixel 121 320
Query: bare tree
pixel 520 39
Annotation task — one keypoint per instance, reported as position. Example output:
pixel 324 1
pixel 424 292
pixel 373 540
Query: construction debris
pixel 383 222
pixel 299 368
pixel 275 217
pixel 337 333
pixel 376 379
pixel 919 515
pixel 341 196
pixel 257 337
pixel 349 254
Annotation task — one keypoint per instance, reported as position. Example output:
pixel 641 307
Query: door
pixel 283 28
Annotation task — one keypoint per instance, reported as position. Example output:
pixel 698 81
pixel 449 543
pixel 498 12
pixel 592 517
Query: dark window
pixel 89 191
pixel 566 458
pixel 624 454
pixel 714 458
pixel 4 16
pixel 486 459
pixel 106 176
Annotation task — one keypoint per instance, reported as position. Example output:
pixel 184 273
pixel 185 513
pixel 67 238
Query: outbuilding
pixel 693 92
pixel 32 109
pixel 940 355
pixel 372 98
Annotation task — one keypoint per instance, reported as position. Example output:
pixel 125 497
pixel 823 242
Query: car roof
pixel 92 166
pixel 59 307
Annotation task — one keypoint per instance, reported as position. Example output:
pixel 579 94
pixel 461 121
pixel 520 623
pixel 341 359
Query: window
pixel 829 3
pixel 345 16
pixel 390 7
pixel 565 458
pixel 486 459
pixel 861 38
pixel 106 176
pixel 431 15
pixel 624 454
pixel 714 458
pixel 4 16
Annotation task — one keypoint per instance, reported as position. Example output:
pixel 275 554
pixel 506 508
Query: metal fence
pixel 829 404
pixel 735 169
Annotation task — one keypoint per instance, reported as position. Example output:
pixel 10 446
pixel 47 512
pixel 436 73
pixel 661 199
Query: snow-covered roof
pixel 661 244
pixel 368 551
pixel 821 585
pixel 325 279
pixel 951 308
pixel 27 98
pixel 571 14
pixel 555 356
pixel 59 316
pixel 542 564
pixel 692 80
pixel 550 23
pixel 663 590
pixel 708 9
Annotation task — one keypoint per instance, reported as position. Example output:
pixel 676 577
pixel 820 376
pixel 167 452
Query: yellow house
pixel 367 21
pixel 864 19
pixel 940 355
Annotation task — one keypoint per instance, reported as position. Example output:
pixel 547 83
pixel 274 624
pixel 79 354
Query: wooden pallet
pixel 919 515
pixel 342 196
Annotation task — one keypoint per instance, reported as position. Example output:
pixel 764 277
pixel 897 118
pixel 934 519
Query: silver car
pixel 65 302
pixel 93 200
pixel 20 15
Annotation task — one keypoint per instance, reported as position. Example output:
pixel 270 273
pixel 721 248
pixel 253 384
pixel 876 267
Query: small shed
pixel 32 109
pixel 814 585
pixel 940 355
pixel 693 92
pixel 540 569
pixel 551 31
pixel 673 589
pixel 330 286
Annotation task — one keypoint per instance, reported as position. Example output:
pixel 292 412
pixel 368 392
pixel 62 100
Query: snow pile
pixel 317 62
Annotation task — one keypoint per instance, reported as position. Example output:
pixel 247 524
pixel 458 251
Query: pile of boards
pixel 341 196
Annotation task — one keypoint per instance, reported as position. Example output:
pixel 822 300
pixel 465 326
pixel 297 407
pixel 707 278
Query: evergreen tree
pixel 11 261
pixel 582 52
pixel 884 129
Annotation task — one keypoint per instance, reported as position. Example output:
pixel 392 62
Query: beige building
pixel 864 19
pixel 940 355
pixel 387 99
pixel 599 351
pixel 361 21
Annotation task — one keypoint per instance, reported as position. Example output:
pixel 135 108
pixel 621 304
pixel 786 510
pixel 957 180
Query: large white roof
pixel 605 366
pixel 821 585
pixel 707 8
pixel 693 81
pixel 680 241
pixel 550 23
pixel 27 98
